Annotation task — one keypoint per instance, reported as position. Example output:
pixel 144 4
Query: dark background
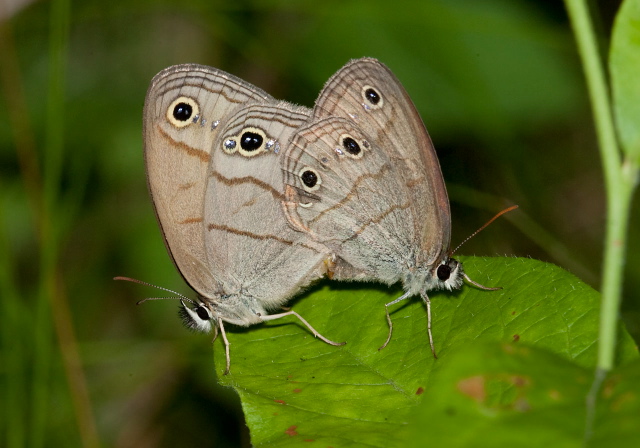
pixel 499 86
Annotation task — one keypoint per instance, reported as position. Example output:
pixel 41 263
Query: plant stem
pixel 618 191
pixel 620 180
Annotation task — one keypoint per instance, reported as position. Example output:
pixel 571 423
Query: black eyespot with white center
pixel 351 146
pixel 310 178
pixel 251 141
pixel 371 98
pixel 371 95
pixel 183 111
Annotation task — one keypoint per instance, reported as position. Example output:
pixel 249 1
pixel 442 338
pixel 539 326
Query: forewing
pixel 368 94
pixel 177 152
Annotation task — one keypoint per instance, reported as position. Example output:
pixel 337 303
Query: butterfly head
pixel 447 275
pixel 197 317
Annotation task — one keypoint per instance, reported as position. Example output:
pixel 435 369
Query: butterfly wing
pixel 368 94
pixel 250 246
pixel 185 107
pixel 340 183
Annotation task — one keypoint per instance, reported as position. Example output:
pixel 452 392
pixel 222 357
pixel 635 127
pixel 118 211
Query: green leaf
pixel 625 66
pixel 294 387
pixel 504 395
pixel 618 409
pixel 494 394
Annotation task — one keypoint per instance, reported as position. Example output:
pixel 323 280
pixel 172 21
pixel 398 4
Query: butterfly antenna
pixel 140 282
pixel 499 214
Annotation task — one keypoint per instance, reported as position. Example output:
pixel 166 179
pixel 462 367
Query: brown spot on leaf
pixel 291 431
pixel 420 391
pixel 519 381
pixel 513 313
pixel 308 440
pixel 554 394
pixel 522 405
pixel 623 401
pixel 516 337
pixel 297 391
pixel 280 401
pixel 473 387
pixel 609 386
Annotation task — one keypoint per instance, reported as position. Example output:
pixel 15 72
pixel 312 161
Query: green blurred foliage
pixel 624 64
pixel 499 87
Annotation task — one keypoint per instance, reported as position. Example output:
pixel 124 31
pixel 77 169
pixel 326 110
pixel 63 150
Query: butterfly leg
pixel 404 296
pixel 226 345
pixel 307 324
pixel 427 302
pixel 215 334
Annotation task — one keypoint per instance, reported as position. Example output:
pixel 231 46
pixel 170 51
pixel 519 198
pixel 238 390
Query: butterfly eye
pixel 183 111
pixel 198 319
pixel 310 179
pixel 203 313
pixel 371 98
pixel 443 272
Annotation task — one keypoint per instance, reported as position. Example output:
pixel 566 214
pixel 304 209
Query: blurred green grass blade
pixel 14 353
pixel 44 350
pixel 293 387
pixel 624 65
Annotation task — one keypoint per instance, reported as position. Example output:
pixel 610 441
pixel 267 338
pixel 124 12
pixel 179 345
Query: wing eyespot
pixel 183 111
pixel 310 178
pixel 351 146
pixel 249 142
pixel 371 98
